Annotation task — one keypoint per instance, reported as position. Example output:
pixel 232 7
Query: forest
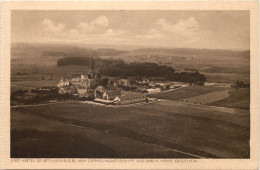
pixel 118 68
pixel 146 69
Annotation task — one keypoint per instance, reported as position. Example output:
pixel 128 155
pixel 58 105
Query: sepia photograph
pixel 130 84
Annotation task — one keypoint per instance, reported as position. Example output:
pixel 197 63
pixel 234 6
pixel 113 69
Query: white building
pixel 156 90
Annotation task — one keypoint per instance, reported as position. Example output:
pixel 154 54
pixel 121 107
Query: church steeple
pixel 92 69
pixel 92 64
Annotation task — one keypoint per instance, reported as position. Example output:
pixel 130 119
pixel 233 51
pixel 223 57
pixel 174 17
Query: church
pixel 81 86
pixel 92 78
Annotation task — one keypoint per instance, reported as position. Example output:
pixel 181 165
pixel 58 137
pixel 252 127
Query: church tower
pixel 92 69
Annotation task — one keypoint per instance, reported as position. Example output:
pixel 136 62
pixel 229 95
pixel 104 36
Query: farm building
pixel 156 90
pixel 111 94
pixel 131 97
pixel 124 83
pixel 144 81
pixel 99 92
pixel 104 93
pixel 117 96
pixel 82 91
pixel 152 84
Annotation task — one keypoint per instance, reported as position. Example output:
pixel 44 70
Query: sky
pixel 146 28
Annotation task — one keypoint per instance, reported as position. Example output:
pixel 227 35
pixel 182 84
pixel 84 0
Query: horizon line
pixel 134 47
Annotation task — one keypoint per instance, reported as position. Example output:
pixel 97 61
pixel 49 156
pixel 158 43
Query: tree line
pixel 118 68
pixel 146 69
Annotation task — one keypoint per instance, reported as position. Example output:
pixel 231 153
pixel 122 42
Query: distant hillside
pixel 51 50
pixel 36 50
pixel 53 53
pixel 110 52
pixel 55 50
pixel 86 61
pixel 208 52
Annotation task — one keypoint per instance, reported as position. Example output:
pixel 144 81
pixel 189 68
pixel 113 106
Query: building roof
pixel 126 95
pixel 123 80
pixel 113 93
pixel 103 100
pixel 89 76
pixel 102 89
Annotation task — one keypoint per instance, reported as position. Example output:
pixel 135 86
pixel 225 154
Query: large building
pixel 117 96
pixel 82 85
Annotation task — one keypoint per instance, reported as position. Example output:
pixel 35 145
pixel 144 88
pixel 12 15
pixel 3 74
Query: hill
pixel 86 61
pixel 18 49
pixel 208 52
pixel 110 52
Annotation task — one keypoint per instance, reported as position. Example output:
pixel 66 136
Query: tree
pixel 111 83
pixel 104 81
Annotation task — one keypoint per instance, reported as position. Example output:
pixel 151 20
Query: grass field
pixel 186 92
pixel 208 97
pixel 25 85
pixel 237 99
pixel 56 144
pixel 226 77
pixel 158 130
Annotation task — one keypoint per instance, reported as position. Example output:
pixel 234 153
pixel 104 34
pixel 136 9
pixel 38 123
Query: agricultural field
pixel 214 96
pixel 237 99
pixel 186 92
pixel 26 85
pixel 226 77
pixel 208 97
pixel 167 129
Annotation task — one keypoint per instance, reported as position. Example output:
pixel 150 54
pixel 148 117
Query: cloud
pixel 184 32
pixel 95 31
pixel 84 27
pixel 50 26
pixel 110 32
pixel 74 32
pixel 185 27
pixel 181 32
pixel 96 25
pixel 101 21
pixel 114 33
pixel 152 34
